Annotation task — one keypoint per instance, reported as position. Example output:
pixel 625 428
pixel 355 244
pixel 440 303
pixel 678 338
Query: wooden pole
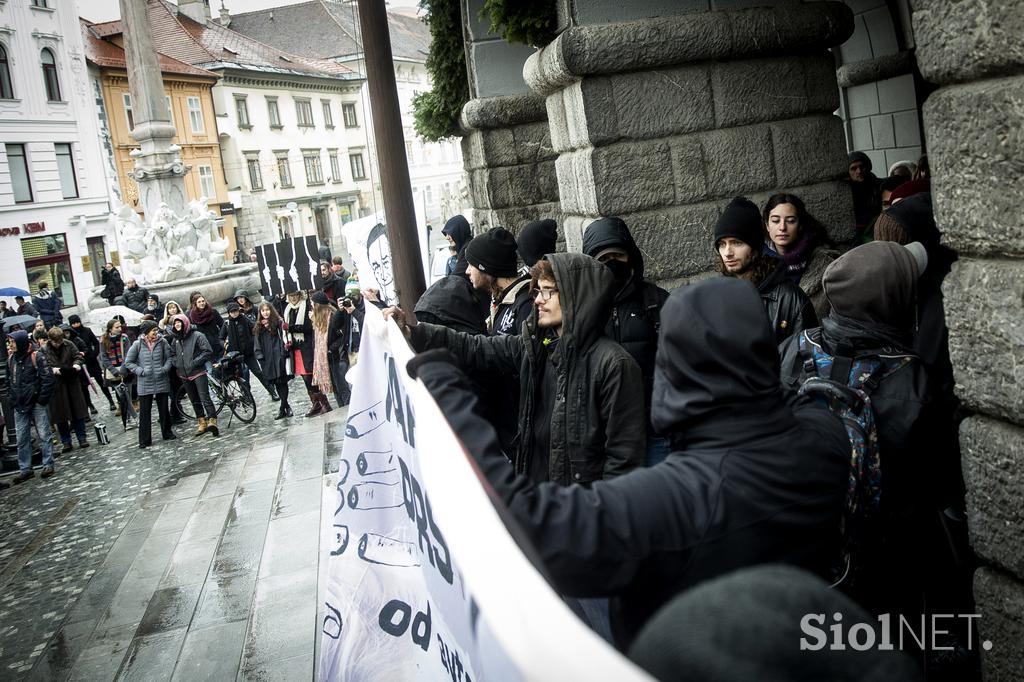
pixel 407 263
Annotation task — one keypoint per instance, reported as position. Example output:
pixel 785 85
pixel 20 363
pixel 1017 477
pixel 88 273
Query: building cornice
pixel 269 81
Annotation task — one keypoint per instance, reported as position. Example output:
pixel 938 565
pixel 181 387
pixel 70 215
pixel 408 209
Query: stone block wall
pixel 661 121
pixel 508 157
pixel 879 102
pixel 974 125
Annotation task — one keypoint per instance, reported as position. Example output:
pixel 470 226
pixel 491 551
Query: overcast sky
pixel 107 10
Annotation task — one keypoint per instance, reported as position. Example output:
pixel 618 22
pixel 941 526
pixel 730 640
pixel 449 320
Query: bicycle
pixel 228 388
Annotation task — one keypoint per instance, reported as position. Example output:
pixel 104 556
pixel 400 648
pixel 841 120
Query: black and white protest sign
pixel 424 582
pixel 289 265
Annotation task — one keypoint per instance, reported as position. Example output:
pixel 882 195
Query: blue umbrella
pixel 12 291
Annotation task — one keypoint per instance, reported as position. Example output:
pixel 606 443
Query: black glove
pixel 442 355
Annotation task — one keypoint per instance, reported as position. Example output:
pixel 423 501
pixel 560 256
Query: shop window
pixel 47 260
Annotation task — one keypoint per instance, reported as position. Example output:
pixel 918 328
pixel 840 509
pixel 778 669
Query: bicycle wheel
pixel 240 400
pixel 186 405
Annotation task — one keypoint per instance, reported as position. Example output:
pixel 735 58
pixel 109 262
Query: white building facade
pixel 295 154
pixel 54 203
pixel 328 30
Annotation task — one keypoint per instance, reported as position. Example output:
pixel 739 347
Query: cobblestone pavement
pixel 193 559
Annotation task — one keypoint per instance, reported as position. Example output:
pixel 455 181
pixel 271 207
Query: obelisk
pixel 159 171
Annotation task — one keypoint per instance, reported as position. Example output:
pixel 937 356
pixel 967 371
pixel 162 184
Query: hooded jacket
pixel 48 306
pixel 29 383
pixel 459 230
pixel 190 349
pixel 756 474
pixel 597 425
pixel 872 290
pixel 512 308
pixel 453 302
pixel 789 309
pixel 636 312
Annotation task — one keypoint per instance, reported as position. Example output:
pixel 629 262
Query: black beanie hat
pixel 74 319
pixel 319 297
pixel 741 220
pixel 233 306
pixel 494 253
pixel 146 327
pixel 536 240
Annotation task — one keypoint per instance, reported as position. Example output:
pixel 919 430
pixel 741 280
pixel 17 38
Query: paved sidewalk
pixel 193 559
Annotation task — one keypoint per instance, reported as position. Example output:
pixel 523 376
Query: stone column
pixel 506 146
pixel 663 120
pixel 158 169
pixel 509 160
pixel 974 125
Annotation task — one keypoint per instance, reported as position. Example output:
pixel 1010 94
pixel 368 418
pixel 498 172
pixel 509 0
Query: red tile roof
pixel 104 53
pixel 215 47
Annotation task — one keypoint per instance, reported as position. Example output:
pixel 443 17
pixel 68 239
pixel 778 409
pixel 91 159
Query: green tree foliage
pixel 531 22
pixel 437 112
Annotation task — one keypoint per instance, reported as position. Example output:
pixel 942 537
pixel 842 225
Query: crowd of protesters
pixel 647 442
pixel 53 370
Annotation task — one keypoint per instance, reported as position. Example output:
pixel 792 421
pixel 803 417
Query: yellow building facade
pixel 191 104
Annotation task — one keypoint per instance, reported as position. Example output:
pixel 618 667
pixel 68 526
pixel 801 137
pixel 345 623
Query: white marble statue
pixel 170 247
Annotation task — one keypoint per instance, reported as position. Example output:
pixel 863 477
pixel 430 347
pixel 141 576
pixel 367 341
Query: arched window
pixel 6 90
pixel 50 75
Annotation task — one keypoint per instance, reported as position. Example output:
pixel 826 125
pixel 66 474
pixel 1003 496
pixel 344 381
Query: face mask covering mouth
pixel 621 271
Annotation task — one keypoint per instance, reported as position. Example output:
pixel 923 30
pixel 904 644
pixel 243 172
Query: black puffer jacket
pixel 597 426
pixel 189 350
pixel 757 475
pixel 636 314
pixel 789 309
pixel 28 382
pixel 135 298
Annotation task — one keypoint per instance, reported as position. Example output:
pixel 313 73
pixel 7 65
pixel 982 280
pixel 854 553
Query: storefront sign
pixel 26 228
pixel 226 209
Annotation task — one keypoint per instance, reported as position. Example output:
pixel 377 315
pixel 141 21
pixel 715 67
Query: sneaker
pixel 23 476
pixel 47 472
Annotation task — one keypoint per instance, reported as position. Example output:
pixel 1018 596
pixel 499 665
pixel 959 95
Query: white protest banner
pixel 370 250
pixel 423 580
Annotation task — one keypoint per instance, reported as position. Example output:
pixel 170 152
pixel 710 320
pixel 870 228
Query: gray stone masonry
pixel 973 124
pixel 509 160
pixel 663 120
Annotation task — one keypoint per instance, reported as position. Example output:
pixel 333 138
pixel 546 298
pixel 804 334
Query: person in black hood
pixel 453 302
pixel 739 241
pixel 872 290
pixel 245 303
pixel 458 232
pixel 756 474
pixel 536 240
pixel 580 415
pixel 30 384
pixel 636 309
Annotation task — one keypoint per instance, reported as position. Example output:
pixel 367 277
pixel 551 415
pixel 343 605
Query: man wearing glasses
pixel 581 395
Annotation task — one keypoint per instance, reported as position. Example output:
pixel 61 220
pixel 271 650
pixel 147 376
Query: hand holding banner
pixel 424 580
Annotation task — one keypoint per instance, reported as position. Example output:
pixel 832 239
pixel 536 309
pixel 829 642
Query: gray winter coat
pixel 151 366
pixel 598 426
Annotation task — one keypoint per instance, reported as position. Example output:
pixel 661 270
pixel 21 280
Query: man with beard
pixel 739 241
pixel 493 268
pixel 636 309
